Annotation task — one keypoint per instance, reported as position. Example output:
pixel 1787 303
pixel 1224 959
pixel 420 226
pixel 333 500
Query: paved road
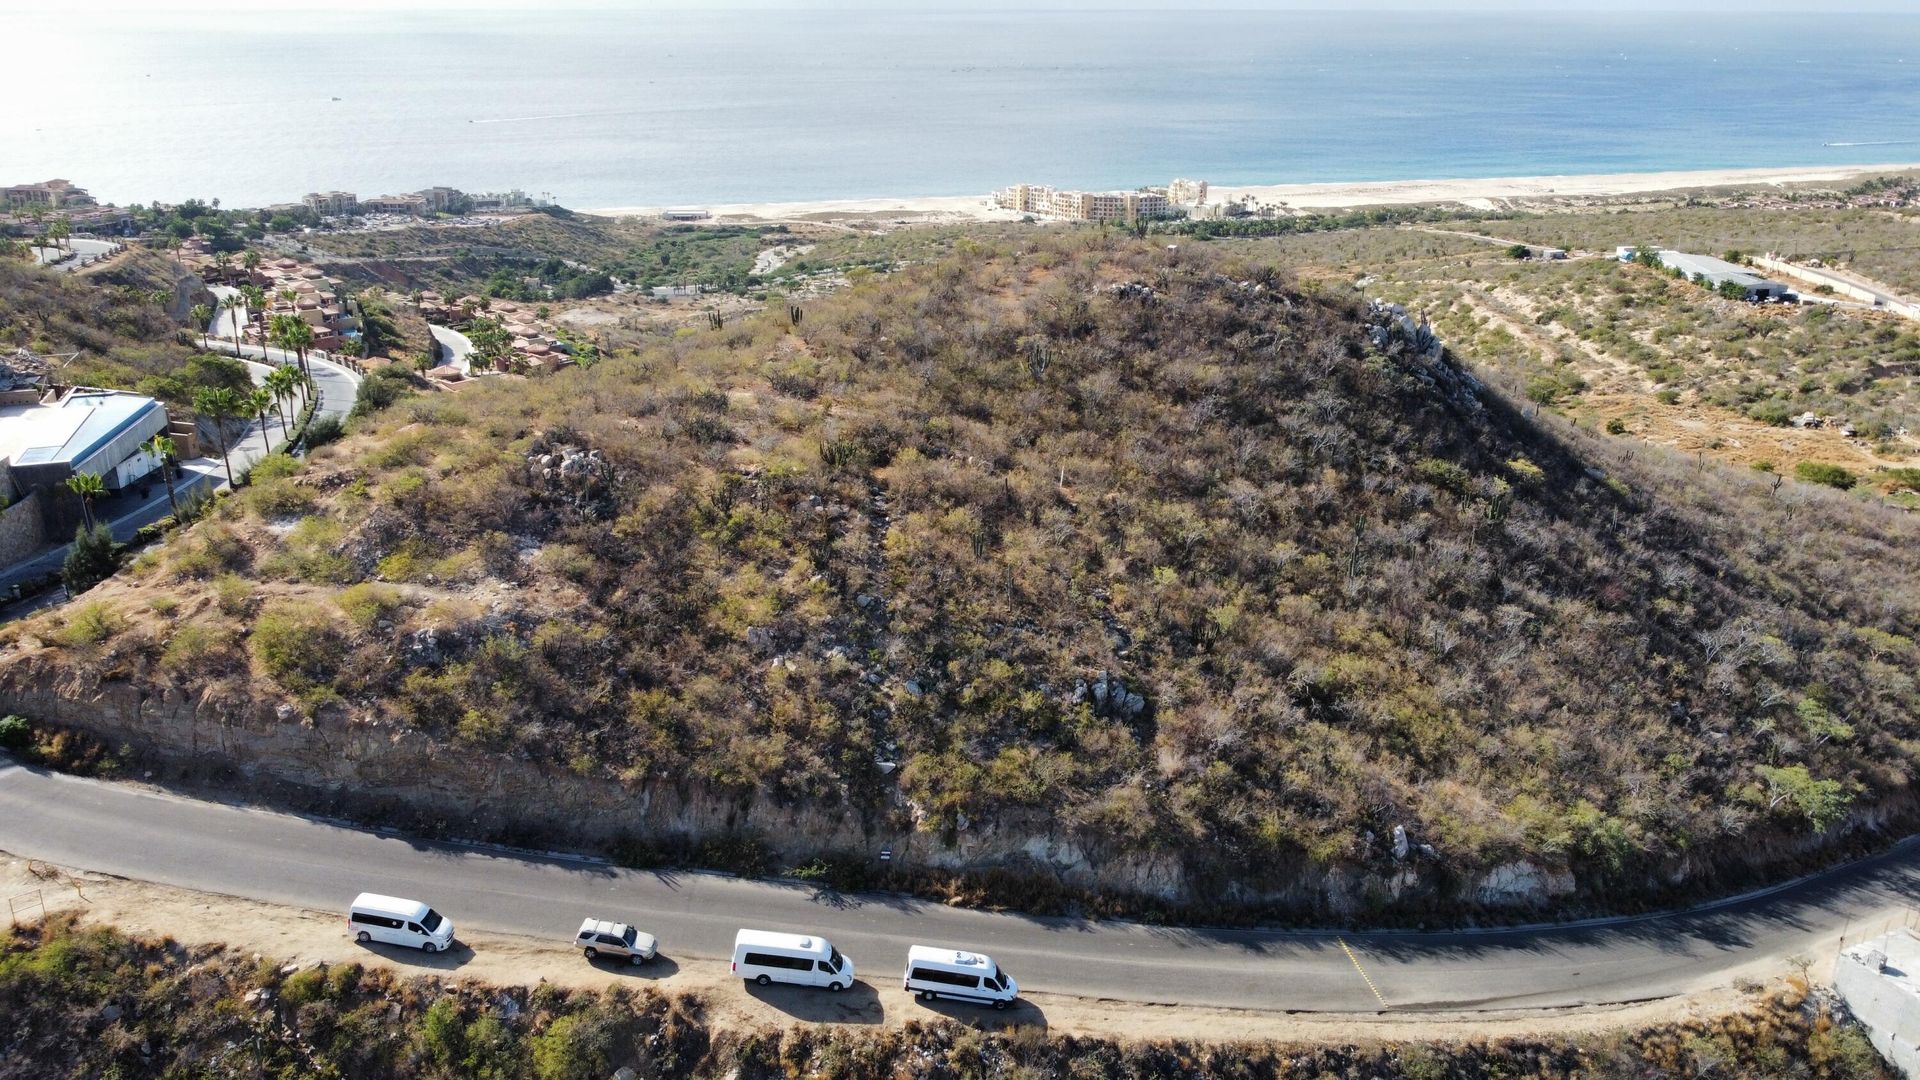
pixel 452 348
pixel 134 832
pixel 76 254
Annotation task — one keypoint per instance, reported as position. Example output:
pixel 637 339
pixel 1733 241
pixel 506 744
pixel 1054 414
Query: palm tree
pixel 202 316
pixel 86 485
pixel 233 313
pixel 222 261
pixel 59 231
pixel 280 383
pixel 251 260
pixel 256 298
pixel 258 403
pixel 162 448
pixel 294 334
pixel 223 405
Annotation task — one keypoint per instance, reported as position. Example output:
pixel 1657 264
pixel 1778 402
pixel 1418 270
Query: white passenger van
pixel 395 921
pixel 762 956
pixel 969 976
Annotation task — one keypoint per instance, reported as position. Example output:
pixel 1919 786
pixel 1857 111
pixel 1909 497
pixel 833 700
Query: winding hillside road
pixel 139 833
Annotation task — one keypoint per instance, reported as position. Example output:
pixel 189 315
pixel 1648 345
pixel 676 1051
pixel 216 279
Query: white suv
pixel 597 939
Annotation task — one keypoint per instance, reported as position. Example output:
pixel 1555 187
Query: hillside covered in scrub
pixel 1142 549
pixel 95 1003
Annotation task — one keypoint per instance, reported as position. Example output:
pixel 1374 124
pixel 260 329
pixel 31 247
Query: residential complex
pixel 439 199
pixel 317 300
pixel 1050 202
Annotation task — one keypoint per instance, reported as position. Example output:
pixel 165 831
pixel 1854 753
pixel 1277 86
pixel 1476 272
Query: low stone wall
pixel 23 530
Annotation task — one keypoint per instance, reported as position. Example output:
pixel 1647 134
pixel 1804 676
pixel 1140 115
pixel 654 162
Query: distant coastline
pixel 1481 193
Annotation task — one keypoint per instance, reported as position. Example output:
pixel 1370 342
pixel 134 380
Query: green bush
pixel 15 733
pixel 91 624
pixel 1833 476
pixel 296 645
pixel 322 430
pixel 94 558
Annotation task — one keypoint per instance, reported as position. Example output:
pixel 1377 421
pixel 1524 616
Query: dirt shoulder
pixel 303 936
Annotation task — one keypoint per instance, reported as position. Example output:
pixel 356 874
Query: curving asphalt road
pixel 140 833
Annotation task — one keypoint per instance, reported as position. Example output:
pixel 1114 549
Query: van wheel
pixel 428 946
pixel 363 937
pixel 764 980
pixel 636 959
pixel 1000 1006
pixel 836 987
pixel 926 995
pixel 593 953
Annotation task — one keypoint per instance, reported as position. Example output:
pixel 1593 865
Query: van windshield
pixel 431 921
pixel 836 961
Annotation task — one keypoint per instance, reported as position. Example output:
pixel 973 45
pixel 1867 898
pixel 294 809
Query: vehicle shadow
pixel 456 957
pixel 660 967
pixel 1021 1014
pixel 858 1004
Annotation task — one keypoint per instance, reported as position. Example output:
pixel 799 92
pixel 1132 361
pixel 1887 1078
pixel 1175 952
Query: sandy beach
pixel 1479 193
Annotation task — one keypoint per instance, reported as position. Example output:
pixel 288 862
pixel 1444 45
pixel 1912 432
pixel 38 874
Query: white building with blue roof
pixel 82 430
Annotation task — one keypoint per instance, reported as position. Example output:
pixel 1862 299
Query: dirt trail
pixel 302 935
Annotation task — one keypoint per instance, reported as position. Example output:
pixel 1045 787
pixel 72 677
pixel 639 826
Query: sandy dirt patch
pixel 301 935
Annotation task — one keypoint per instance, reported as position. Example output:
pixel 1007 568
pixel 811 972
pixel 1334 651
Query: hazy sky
pixel 68 7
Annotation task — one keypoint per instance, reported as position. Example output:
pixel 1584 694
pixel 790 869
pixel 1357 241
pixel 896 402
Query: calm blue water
pixel 612 109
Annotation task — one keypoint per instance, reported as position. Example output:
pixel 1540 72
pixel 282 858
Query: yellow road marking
pixel 1363 971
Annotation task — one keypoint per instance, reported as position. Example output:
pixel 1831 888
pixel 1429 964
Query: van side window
pixel 415 927
pixel 773 960
pixel 945 978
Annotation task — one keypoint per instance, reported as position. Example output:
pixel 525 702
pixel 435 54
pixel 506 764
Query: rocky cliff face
pixel 374 770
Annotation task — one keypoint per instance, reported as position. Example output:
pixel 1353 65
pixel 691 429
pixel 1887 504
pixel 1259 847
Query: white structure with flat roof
pixel 80 431
pixel 1880 982
pixel 1715 273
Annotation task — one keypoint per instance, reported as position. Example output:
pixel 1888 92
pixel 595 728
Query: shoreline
pixel 1478 192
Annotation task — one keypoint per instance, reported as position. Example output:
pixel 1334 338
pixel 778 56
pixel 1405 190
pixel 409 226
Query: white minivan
pixel 956 973
pixel 394 921
pixel 762 956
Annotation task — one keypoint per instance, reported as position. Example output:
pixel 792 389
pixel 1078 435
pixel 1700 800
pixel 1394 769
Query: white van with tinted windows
pixel 955 973
pixel 764 957
pixel 393 921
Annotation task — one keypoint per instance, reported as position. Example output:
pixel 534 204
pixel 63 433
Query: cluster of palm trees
pixel 224 405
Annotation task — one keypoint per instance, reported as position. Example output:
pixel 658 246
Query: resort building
pixel 331 203
pixel 1049 202
pixel 408 203
pixel 48 195
pixel 510 200
pixel 443 200
pixel 1187 192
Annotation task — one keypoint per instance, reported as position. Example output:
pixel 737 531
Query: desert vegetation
pixel 1157 550
pixel 91 1002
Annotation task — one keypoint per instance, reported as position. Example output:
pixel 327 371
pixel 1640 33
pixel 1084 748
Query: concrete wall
pixel 1880 982
pixel 1840 285
pixel 23 531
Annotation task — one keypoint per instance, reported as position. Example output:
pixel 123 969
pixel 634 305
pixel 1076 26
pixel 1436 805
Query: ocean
pixel 608 109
